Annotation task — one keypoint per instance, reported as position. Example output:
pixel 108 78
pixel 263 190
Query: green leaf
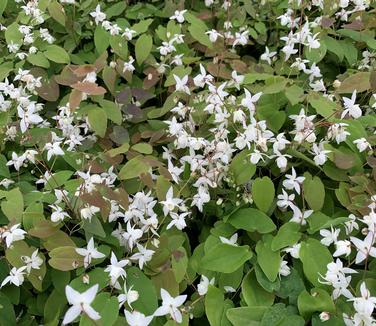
pixel 107 307
pixel 143 148
pixel 291 286
pixel 246 316
pixel 95 276
pixel 323 106
pixel 98 121
pixel 318 221
pixel 57 12
pixel 4 169
pixel 119 150
pixel 225 258
pixel 59 280
pixel 268 259
pixel 112 110
pixel 275 85
pixel 12 34
pixel 58 179
pixel 38 59
pixel 214 304
pixel 263 193
pixel 65 258
pixel 295 94
pixel 147 303
pixel 358 81
pixel 54 306
pixel 3 5
pixel 142 26
pixel 179 263
pixel 198 29
pixel 94 227
pixel 7 315
pixel 120 46
pixel 334 46
pixel 287 235
pixel 13 205
pixel 319 300
pixel 32 215
pixel 241 167
pixel 133 168
pixel 143 47
pixel 316 55
pixel 314 191
pixel 315 258
pixel 56 54
pixel 253 294
pixel 279 315
pixel 251 219
pixel 101 39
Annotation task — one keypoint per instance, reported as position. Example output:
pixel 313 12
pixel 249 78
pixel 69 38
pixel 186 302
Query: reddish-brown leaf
pixel 89 88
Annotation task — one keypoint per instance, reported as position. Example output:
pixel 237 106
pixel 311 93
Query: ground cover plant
pixel 199 162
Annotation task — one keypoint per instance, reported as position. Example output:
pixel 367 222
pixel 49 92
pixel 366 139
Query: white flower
pixel 89 253
pixel 350 107
pixel 294 250
pixel 143 255
pixel 292 181
pixel 6 183
pixel 312 42
pixel 299 217
pixel 365 304
pixel 132 235
pixel 16 161
pixel 201 198
pixel 129 296
pixel 33 262
pixel 13 234
pixel 362 144
pixel 329 237
pixel 343 247
pixel 202 287
pixel 236 79
pixel 202 78
pixel 267 55
pixel 179 16
pixel 28 117
pixel 178 220
pixel 88 212
pixel 98 15
pixel 170 203
pixel 15 277
pixel 232 241
pixel 58 215
pixel 81 302
pixel 170 306
pixel 364 247
pixel 256 156
pixel 128 66
pixel 181 84
pixel 320 154
pixel 324 316
pixel 116 269
pixel 284 270
pixel 249 100
pixel 128 33
pixel 338 132
pixel 213 35
pixel 285 200
pixel 136 318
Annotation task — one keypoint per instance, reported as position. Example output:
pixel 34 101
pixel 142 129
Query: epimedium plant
pixel 187 162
